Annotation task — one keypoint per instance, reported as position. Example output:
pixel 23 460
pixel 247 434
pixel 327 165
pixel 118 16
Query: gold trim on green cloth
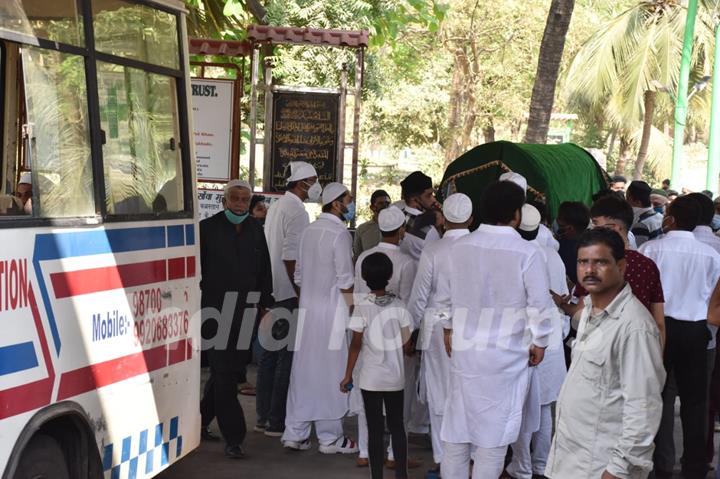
pixel 490 164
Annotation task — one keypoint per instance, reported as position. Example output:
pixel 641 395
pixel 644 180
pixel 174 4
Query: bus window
pixel 138 113
pixel 136 31
pixel 59 20
pixel 57 147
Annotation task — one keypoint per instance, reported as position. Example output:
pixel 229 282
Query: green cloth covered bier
pixel 555 173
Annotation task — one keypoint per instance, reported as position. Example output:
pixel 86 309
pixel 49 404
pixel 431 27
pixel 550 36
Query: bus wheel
pixel 43 458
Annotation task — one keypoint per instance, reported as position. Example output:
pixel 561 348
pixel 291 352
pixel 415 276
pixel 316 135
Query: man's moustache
pixel 586 278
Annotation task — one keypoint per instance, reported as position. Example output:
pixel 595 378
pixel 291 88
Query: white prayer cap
pixel 457 208
pixel 236 183
pixel 299 170
pixel 26 178
pixel 332 191
pixel 516 178
pixel 530 218
pixel 391 218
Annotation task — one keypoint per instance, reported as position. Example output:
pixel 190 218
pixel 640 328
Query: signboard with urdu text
pixel 305 128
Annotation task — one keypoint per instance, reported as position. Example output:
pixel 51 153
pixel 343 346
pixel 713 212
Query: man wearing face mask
pixel 285 222
pixel 689 271
pixel 419 197
pixel 658 199
pixel 324 274
pixel 235 262
pixel 648 222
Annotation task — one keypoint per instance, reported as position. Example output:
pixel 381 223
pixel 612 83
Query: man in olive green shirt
pixel 610 405
pixel 367 235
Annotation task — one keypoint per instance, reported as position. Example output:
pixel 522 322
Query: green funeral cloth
pixel 555 173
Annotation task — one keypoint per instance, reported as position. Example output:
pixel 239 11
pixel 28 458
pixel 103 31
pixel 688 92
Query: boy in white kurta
pixel 324 272
pixel 497 291
pixel 381 327
pixel 435 367
pixel 391 222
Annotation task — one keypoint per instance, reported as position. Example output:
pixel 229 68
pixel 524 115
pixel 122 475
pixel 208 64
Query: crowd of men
pixel 565 342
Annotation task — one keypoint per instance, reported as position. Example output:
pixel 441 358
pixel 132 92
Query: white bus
pixel 99 263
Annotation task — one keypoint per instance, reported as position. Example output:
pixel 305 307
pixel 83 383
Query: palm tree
pixel 623 65
pixel 551 50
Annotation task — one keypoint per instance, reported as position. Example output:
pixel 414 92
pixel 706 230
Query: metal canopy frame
pixel 261 35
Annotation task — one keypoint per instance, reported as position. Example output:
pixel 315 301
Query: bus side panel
pixel 117 309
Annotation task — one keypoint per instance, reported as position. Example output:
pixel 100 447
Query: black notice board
pixel 305 128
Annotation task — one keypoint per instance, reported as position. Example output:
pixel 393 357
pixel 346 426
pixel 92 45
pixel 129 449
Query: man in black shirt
pixel 235 264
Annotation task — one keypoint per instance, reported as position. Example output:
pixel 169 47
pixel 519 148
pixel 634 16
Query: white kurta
pixel 324 267
pixel 552 370
pixel 435 367
pixel 495 293
pixel 404 268
pixel 285 222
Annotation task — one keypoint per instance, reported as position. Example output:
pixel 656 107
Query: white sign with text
pixel 212 104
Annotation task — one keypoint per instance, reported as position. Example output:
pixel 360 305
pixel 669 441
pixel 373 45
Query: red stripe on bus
pixel 176 352
pixel 73 283
pixel 190 266
pixel 78 381
pixel 189 349
pixel 176 268
pixel 37 394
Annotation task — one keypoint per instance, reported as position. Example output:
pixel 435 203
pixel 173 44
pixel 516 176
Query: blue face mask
pixel 659 209
pixel 715 225
pixel 349 214
pixel 235 219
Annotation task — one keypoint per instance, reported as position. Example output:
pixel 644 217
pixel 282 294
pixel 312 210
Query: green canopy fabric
pixel 555 173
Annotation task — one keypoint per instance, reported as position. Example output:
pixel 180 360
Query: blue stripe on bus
pixel 17 357
pixel 190 235
pixel 175 236
pixel 53 246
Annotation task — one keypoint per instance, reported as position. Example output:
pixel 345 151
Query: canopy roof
pixel 555 173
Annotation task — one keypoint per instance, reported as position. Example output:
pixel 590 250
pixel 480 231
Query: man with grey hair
pixel 235 266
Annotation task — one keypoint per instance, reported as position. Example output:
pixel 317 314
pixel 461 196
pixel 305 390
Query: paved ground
pixel 266 458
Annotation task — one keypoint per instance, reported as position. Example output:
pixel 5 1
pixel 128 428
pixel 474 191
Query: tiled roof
pixel 307 36
pixel 230 48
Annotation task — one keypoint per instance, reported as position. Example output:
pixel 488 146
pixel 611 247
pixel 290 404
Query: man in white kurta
pixel 497 300
pixel 549 375
pixel 435 367
pixel 324 272
pixel 391 222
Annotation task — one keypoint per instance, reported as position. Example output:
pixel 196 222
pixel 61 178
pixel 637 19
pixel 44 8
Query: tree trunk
pixel 489 132
pixel 462 114
pixel 257 10
pixel 611 143
pixel 551 50
pixel 647 129
pixel 623 156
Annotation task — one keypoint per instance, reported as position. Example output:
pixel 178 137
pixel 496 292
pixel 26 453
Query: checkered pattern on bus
pixel 151 451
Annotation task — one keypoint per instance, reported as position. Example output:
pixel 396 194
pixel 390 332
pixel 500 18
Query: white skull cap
pixel 332 191
pixel 516 178
pixel 530 218
pixel 300 170
pixel 457 208
pixel 391 218
pixel 236 184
